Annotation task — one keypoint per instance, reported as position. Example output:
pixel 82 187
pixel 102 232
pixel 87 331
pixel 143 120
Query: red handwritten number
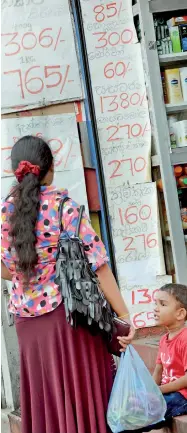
pixel 20 78
pixel 151 243
pixel 116 169
pixel 132 217
pixel 109 8
pixel 124 34
pixel 29 41
pixel 48 74
pixel 30 47
pixel 147 241
pixel 119 69
pixel 113 38
pixel 11 42
pixel 43 37
pixel 139 164
pixel 134 167
pixel 129 244
pixel 135 130
pixel 145 212
pixel 148 297
pixel 112 103
pixel 99 14
pixel 123 100
pixel 30 83
pixel 116 129
pixel 138 323
pixel 102 38
pixel 27 81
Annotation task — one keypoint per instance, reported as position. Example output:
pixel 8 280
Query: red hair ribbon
pixel 24 168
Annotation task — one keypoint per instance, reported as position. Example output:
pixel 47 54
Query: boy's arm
pixel 174 386
pixel 157 375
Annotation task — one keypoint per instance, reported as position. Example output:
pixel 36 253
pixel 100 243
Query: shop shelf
pixel 168 239
pixel 172 58
pixel 179 155
pixel 176 108
pixel 158 6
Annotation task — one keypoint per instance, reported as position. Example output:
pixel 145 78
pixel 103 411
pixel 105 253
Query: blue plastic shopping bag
pixel 136 401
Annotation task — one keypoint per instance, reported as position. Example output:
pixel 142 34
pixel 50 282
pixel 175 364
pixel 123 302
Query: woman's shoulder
pixel 51 198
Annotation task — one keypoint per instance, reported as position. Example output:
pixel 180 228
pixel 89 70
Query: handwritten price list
pixel 136 232
pixel 60 131
pixel 141 301
pixel 38 54
pixel 118 90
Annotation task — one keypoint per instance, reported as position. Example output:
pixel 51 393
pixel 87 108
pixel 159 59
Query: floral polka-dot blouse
pixel 42 295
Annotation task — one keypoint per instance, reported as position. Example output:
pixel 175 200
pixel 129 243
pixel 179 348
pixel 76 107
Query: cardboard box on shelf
pixel 177 20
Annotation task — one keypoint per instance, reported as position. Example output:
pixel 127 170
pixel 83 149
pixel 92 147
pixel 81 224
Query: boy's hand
pixel 163 389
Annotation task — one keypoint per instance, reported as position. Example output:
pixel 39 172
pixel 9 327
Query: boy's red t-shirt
pixel 173 357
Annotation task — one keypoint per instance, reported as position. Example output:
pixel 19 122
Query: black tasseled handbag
pixel 78 284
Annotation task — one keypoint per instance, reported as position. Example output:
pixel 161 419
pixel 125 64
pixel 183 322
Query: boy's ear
pixel 181 314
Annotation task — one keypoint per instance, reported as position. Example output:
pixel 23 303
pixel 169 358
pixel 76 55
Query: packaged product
pixel 183 36
pixel 173 86
pixel 180 129
pixel 183 75
pixel 175 39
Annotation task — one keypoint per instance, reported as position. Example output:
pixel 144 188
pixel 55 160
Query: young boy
pixel 171 365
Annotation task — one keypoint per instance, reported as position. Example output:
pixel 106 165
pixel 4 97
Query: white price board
pixel 136 233
pixel 39 61
pixel 119 91
pixel 141 300
pixel 60 132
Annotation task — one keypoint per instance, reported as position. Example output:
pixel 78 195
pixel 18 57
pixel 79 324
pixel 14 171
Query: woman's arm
pixel 5 274
pixel 114 297
pixel 111 291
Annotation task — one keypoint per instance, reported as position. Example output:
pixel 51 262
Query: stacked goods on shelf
pixel 183 36
pixel 180 172
pixel 172 120
pixel 171 35
pixel 177 131
pixel 164 43
pixel 180 130
pixel 183 77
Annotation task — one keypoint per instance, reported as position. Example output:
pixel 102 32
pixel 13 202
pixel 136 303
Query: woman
pixel 66 373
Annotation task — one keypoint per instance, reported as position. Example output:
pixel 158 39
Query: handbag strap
pixel 82 208
pixel 60 211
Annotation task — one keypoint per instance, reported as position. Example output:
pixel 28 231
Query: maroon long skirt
pixel 66 376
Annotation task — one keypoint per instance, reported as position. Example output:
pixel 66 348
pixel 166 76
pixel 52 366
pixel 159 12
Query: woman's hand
pixel 124 341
